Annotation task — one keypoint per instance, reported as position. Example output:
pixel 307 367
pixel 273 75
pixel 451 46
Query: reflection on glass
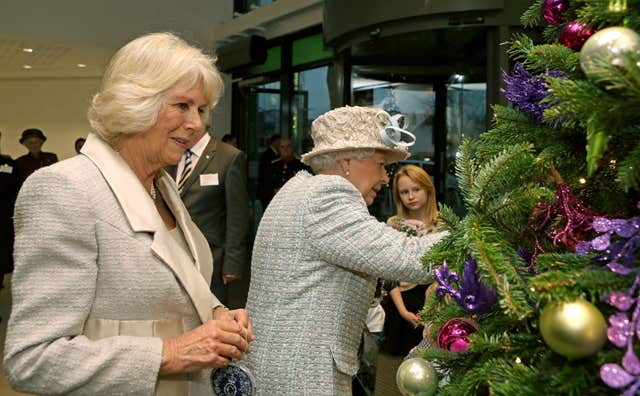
pixel 310 100
pixel 466 115
pixel 243 6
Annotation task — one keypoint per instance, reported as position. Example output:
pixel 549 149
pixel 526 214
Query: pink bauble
pixel 454 334
pixel 553 11
pixel 574 34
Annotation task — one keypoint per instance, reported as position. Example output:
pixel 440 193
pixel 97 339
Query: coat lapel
pixel 142 215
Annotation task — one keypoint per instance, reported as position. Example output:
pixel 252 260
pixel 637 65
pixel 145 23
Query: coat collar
pixel 142 215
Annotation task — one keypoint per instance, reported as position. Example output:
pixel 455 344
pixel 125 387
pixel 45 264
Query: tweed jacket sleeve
pixel 342 232
pixel 54 287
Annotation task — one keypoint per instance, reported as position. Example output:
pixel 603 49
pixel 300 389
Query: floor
pixel 385 373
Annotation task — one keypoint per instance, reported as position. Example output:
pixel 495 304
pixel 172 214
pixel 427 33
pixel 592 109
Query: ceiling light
pixel 81 65
pixel 27 67
pixel 27 50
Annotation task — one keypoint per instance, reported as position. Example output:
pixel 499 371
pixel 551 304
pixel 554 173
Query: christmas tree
pixel 543 270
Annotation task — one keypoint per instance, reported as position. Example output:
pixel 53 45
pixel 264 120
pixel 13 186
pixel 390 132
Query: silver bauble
pixel 607 45
pixel 417 377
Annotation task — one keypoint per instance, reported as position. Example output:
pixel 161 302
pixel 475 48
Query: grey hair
pixel 329 160
pixel 137 78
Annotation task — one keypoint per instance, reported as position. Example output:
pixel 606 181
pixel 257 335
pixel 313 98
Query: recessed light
pixel 27 67
pixel 81 65
pixel 27 50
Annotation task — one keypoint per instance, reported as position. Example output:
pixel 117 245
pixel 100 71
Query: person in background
pixel 415 198
pixel 265 171
pixel 8 191
pixel 78 144
pixel 32 139
pixel 284 167
pixel 230 140
pixel 317 256
pixel 111 282
pixel 213 186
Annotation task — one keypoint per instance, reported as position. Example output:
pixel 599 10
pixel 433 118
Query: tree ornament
pixel 526 91
pixel 607 46
pixel 553 11
pixel 574 35
pixel 473 296
pixel 573 329
pixel 454 334
pixel 417 377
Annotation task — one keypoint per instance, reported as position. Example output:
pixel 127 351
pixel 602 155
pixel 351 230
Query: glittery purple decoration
pixel 526 91
pixel 619 242
pixel 570 211
pixel 473 296
pixel 553 11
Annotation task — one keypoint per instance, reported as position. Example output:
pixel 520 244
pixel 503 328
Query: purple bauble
pixel 574 34
pixel 454 334
pixel 553 11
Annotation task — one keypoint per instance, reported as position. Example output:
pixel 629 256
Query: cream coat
pixel 99 280
pixel 316 258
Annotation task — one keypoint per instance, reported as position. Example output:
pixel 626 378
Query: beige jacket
pixel 99 280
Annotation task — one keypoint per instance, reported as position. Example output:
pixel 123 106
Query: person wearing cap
pixel 318 253
pixel 111 281
pixel 32 139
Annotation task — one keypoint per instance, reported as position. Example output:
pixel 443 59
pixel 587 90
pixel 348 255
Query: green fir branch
pixel 533 16
pixel 629 170
pixel 465 170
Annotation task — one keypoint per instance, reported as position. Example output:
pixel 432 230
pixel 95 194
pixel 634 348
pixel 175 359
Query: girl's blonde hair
pixel 420 177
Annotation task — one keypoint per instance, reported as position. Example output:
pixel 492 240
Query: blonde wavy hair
pixel 138 77
pixel 420 177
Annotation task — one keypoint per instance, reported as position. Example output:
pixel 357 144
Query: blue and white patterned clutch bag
pixel 233 380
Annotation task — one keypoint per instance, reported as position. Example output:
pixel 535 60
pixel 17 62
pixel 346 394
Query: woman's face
pixel 33 144
pixel 181 116
pixel 368 175
pixel 412 195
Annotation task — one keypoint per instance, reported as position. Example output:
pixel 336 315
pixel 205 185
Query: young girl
pixel 415 197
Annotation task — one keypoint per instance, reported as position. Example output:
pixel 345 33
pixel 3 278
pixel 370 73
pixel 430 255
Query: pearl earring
pixel 347 173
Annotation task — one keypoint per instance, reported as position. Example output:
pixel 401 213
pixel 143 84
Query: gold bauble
pixel 573 329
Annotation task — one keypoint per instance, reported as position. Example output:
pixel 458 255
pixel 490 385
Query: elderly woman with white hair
pixel 110 289
pixel 318 253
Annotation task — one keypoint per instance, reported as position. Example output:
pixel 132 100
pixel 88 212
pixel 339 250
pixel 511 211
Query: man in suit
pixel 213 186
pixel 265 171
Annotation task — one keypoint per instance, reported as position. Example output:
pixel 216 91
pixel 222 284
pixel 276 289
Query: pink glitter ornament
pixel 454 334
pixel 553 11
pixel 574 34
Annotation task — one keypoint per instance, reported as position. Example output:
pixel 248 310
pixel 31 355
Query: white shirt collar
pixel 199 147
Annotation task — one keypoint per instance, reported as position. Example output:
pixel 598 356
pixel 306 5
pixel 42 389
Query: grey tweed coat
pixel 99 280
pixel 316 258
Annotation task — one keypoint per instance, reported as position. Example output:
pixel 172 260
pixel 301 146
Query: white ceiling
pixel 64 33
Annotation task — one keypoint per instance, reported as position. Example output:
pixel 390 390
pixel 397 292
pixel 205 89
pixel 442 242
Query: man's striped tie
pixel 186 171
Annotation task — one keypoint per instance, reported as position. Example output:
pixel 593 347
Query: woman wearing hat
pixel 111 282
pixel 318 253
pixel 33 139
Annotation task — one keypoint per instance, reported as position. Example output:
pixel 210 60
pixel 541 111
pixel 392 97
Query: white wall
pixel 56 106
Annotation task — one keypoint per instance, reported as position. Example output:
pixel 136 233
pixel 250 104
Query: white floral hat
pixel 352 128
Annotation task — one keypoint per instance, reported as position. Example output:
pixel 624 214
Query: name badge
pixel 6 168
pixel 209 179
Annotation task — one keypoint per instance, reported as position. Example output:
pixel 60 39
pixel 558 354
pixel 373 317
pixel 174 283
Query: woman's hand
pixel 213 344
pixel 411 318
pixel 419 225
pixel 240 316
